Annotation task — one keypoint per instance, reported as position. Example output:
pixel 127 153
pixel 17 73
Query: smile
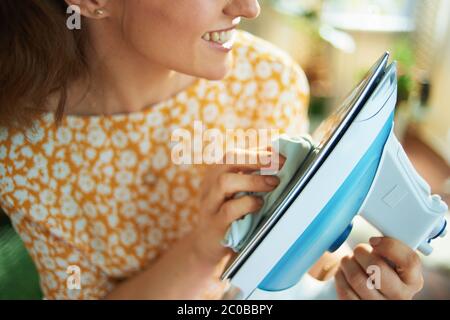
pixel 222 37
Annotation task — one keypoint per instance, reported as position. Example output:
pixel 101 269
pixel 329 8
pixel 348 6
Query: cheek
pixel 170 36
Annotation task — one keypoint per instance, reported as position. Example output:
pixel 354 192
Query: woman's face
pixel 183 35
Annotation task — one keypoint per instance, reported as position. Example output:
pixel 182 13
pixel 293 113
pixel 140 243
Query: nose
pixel 249 9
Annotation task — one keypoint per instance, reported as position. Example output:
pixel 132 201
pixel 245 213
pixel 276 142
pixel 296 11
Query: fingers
pixel 343 289
pixel 251 160
pixel 390 285
pixel 407 262
pixel 230 183
pixel 235 209
pixel 357 278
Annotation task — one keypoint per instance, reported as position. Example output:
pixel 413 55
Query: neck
pixel 122 80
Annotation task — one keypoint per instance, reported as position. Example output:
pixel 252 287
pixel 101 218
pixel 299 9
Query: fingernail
pixel 374 241
pixel 272 180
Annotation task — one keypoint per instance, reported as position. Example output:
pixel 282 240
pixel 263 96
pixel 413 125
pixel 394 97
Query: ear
pixel 94 9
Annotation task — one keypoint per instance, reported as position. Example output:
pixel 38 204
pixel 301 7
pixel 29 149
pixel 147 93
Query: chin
pixel 216 72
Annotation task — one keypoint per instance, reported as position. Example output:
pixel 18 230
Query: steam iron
pixel 360 168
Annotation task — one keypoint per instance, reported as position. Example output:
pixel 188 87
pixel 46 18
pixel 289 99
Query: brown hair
pixel 39 57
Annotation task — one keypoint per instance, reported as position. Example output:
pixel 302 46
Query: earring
pixel 99 12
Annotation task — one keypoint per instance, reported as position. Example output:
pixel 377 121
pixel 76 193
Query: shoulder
pixel 22 156
pixel 256 59
pixel 268 87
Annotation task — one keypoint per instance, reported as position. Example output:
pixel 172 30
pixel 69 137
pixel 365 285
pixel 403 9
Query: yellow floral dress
pixel 101 192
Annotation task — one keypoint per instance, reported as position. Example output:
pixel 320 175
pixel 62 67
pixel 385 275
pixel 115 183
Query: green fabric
pixel 296 150
pixel 18 275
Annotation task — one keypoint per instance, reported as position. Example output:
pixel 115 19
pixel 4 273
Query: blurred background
pixel 337 41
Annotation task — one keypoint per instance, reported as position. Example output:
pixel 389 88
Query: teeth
pixel 215 37
pixel 219 37
pixel 223 37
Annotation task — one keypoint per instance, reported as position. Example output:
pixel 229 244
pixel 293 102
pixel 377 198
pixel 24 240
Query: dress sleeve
pixel 284 100
pixel 58 263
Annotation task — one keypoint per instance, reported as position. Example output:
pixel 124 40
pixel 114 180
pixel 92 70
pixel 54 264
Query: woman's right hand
pixel 218 208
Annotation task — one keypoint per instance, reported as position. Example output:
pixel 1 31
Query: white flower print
pixel 21 195
pixel 6 185
pixel 17 140
pixel 243 70
pixel 98 244
pixel 113 220
pixel 160 159
pixel 40 247
pixel 91 153
pixel 119 139
pixel 129 210
pixel 106 156
pixel 77 159
pixel 108 171
pixel 210 113
pixel 250 89
pixel 122 194
pixel 26 152
pixel 61 170
pixel 166 221
pixel 154 237
pixel 39 212
pixel 128 236
pixel 75 123
pixel 86 183
pixel 90 210
pixel 3 152
pixel 20 180
pixel 113 239
pixel 99 228
pixel 263 70
pixel 271 89
pixel 97 258
pixel 161 134
pixel 64 135
pixel 3 133
pixel 50 281
pixel 35 135
pixel 236 88
pixel 47 197
pixel 49 147
pixel 180 194
pixel 48 263
pixel 120 252
pixel 127 159
pixel 40 161
pixel 103 189
pixel 155 119
pixel 80 225
pixel 96 137
pixel 69 207
pixel 144 146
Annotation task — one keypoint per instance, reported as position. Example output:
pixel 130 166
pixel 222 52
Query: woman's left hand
pixel 386 269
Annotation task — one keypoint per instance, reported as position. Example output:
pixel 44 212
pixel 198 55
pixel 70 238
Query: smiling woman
pixel 93 185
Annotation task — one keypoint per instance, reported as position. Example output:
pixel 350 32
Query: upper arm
pixel 284 99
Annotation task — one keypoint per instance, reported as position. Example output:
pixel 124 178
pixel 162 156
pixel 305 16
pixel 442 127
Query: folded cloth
pixel 296 150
